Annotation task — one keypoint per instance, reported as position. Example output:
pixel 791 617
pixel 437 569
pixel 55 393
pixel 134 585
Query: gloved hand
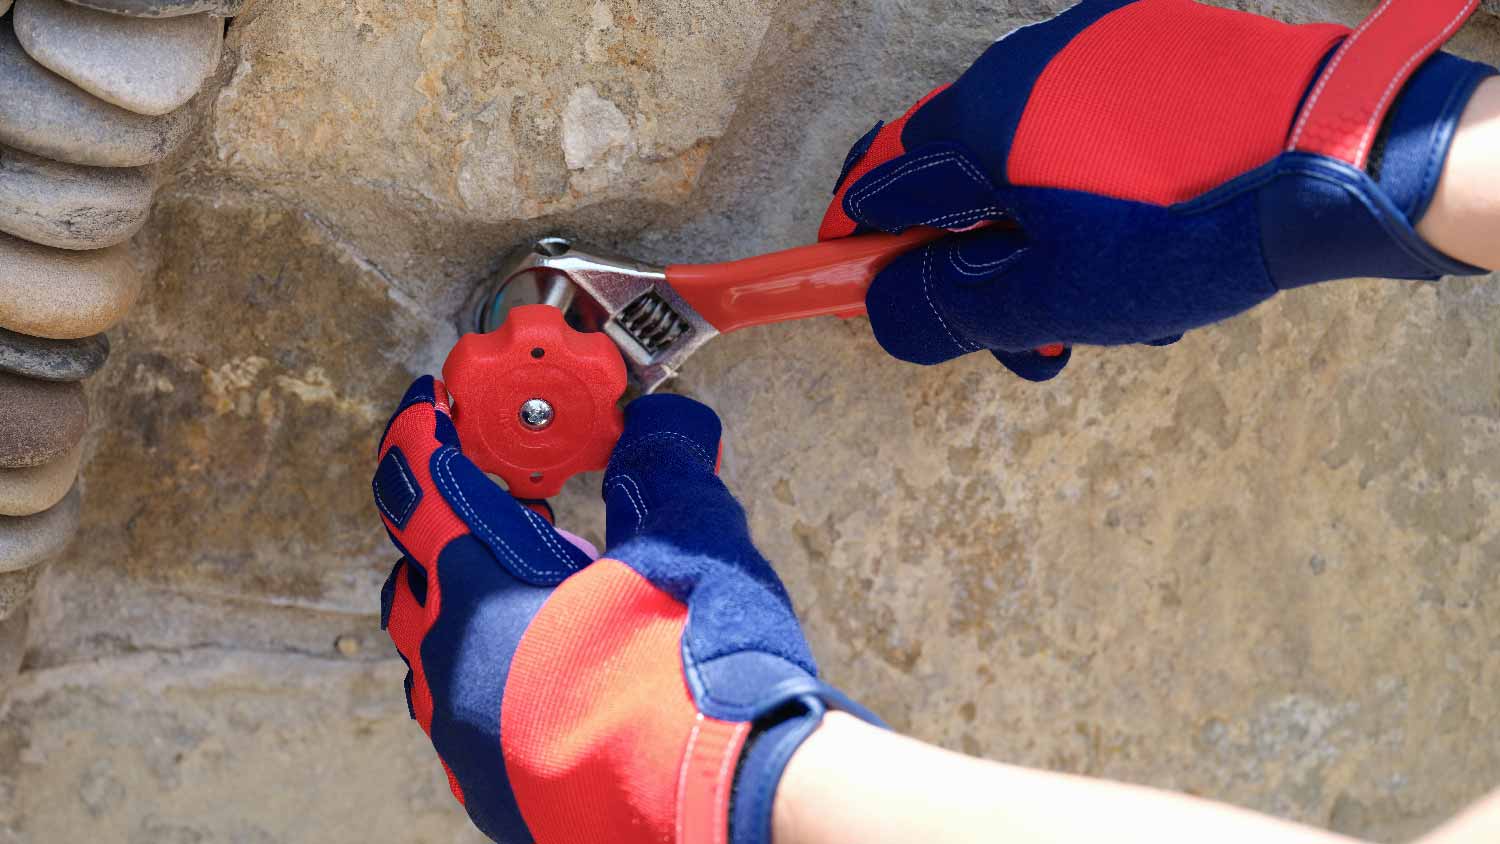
pixel 637 698
pixel 1160 165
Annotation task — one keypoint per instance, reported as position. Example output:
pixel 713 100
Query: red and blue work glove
pixel 654 695
pixel 1161 165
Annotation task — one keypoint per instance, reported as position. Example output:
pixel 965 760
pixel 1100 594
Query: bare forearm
pixel 853 782
pixel 1464 218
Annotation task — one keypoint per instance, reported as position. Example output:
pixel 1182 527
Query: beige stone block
pixel 166 8
pixel 404 128
pixel 71 206
pixel 147 66
pixel 26 541
pixel 64 294
pixel 46 114
pixel 30 490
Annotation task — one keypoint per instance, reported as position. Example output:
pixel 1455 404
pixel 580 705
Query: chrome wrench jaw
pixel 653 327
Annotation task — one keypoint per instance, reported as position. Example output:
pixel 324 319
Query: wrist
pixel 1460 219
pixel 821 763
pixel 760 779
pixel 1348 215
pixel 1418 135
pixel 789 811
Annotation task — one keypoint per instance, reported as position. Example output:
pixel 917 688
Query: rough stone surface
pixel 213 716
pixel 39 420
pixel 16 588
pixel 1258 566
pixel 481 122
pixel 12 649
pixel 64 294
pixel 165 8
pixel 46 114
pixel 27 491
pixel 146 66
pixel 70 206
pixel 27 541
pixel 52 360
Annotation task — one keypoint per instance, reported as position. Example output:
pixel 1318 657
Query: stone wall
pixel 1260 565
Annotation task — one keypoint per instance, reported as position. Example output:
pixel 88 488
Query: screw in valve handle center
pixel 536 414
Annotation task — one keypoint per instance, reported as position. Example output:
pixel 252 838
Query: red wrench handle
pixel 817 280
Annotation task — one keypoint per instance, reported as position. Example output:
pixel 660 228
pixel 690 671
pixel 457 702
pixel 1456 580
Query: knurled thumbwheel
pixel 536 401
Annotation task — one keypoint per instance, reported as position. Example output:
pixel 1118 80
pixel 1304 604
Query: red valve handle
pixel 536 355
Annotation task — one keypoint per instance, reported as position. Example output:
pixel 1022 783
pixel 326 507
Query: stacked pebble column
pixel 92 97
